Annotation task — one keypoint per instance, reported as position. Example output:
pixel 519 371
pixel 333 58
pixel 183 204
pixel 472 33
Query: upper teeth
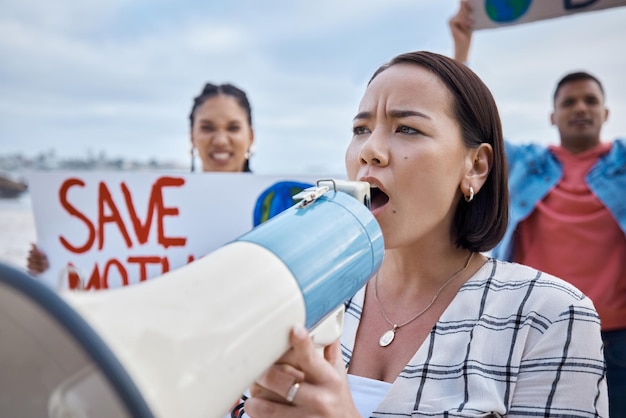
pixel 221 155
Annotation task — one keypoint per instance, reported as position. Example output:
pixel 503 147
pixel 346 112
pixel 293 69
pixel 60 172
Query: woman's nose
pixel 219 137
pixel 373 151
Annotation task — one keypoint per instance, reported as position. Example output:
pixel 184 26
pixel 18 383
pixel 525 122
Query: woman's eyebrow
pixel 394 114
pixel 406 113
pixel 363 115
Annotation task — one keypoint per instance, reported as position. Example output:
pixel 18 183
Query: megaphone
pixel 190 342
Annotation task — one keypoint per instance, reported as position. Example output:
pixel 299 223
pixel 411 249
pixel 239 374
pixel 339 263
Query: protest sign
pixel 497 13
pixel 102 230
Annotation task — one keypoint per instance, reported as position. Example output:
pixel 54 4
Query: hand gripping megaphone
pixel 188 343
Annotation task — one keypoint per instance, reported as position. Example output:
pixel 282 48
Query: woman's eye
pixel 407 130
pixel 359 130
pixel 207 128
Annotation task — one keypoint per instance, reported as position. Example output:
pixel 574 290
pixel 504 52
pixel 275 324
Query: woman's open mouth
pixel 378 198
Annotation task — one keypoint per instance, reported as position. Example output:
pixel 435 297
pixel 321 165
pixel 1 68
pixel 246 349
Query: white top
pixel 367 393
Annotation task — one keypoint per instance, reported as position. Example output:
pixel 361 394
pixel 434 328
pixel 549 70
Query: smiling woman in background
pixel 221 137
pixel 221 129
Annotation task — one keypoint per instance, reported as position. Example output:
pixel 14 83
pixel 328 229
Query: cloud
pixel 120 75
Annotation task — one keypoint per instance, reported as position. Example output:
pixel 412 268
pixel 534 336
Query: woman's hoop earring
pixel 193 159
pixel 471 195
pixel 249 153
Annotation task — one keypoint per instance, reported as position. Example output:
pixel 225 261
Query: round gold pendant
pixel 387 338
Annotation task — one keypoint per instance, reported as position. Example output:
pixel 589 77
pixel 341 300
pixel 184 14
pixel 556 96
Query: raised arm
pixel 461 29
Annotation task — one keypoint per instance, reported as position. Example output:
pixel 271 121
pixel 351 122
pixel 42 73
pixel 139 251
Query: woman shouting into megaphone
pixel 441 330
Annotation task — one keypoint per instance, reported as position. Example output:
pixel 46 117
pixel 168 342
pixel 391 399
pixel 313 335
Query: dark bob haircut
pixel 480 224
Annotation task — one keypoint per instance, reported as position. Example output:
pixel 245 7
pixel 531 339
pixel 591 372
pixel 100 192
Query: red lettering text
pixel 104 196
pixel 76 213
pixel 143 262
pixel 101 278
pixel 156 203
pixel 109 213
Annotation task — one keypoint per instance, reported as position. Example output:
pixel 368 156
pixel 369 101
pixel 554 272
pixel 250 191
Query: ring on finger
pixel 291 393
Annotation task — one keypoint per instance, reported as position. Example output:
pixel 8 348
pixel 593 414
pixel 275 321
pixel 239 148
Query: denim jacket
pixel 534 171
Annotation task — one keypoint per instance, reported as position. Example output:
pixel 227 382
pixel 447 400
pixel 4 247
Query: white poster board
pixel 497 13
pixel 110 229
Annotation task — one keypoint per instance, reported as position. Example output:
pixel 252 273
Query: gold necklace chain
pixel 388 336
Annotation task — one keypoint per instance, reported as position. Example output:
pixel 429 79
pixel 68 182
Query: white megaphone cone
pixel 194 339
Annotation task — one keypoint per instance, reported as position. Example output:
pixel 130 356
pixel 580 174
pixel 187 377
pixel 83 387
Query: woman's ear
pixel 479 163
pixel 250 145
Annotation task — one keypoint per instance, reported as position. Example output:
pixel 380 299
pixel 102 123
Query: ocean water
pixel 17 230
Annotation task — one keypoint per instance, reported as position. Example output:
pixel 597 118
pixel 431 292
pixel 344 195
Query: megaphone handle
pixel 329 329
pixel 324 333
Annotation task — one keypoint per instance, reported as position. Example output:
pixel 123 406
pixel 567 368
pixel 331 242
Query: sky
pixel 117 77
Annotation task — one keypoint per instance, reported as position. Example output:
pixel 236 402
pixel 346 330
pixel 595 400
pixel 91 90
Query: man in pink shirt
pixel 568 206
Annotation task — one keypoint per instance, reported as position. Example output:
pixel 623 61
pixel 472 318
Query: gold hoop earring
pixel 470 197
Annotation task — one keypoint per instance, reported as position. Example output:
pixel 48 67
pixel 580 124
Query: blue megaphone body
pixel 191 341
